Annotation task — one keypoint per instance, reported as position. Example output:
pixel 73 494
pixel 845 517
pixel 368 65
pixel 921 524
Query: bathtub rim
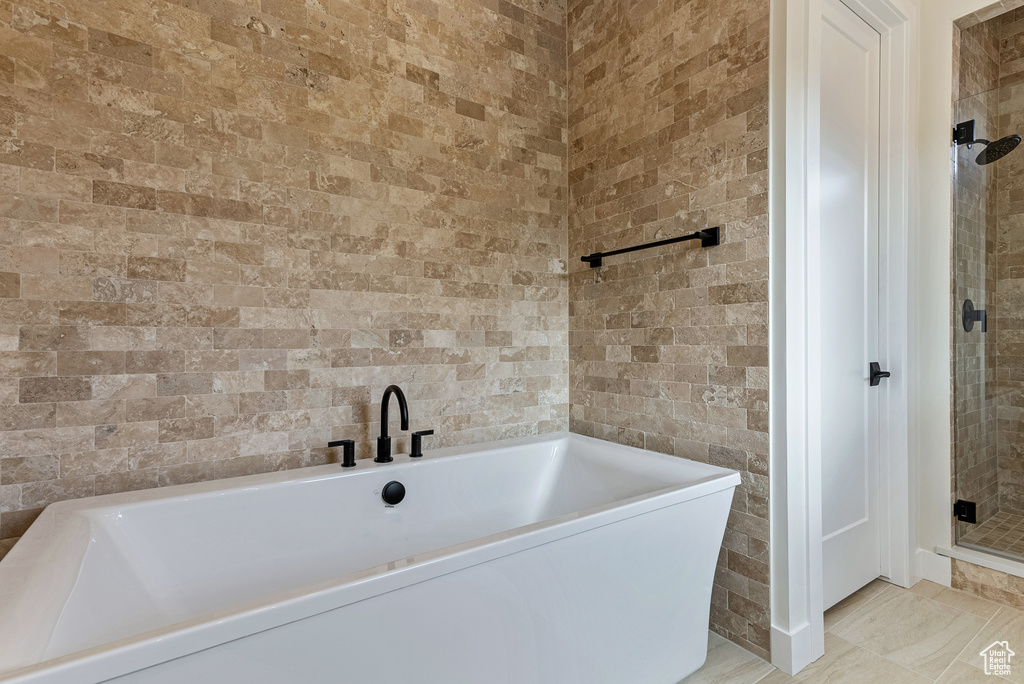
pixel 401 462
pixel 148 648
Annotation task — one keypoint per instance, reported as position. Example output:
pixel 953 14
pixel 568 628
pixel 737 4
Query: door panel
pixel 851 551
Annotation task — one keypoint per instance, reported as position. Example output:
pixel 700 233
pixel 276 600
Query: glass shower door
pixel 988 331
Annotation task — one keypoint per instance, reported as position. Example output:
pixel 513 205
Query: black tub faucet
pixel 384 441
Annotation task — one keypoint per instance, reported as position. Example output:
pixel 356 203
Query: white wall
pixel 931 400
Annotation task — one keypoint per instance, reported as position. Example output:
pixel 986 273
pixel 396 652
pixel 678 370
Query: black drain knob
pixel 393 493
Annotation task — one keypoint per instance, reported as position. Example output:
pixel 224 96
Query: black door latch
pixel 877 373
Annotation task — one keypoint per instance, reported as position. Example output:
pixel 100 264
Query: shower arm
pixel 963 134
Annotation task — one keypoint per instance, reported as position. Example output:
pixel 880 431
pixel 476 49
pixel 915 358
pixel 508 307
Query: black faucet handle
pixel 417 443
pixel 348 451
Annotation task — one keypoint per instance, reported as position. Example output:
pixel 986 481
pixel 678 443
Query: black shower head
pixel 994 151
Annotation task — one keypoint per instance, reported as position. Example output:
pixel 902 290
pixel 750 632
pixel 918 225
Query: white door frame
pixel 798 634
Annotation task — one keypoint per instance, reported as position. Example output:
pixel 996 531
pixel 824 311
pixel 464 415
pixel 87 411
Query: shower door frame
pixel 796 508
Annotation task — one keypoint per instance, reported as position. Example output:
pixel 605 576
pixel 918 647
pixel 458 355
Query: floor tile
pixel 962 673
pixel 958 599
pixel 927 589
pixel 917 633
pixel 875 587
pixel 845 608
pixel 1003 532
pixel 886 634
pixel 967 602
pixel 846 663
pixel 1007 625
pixel 728 663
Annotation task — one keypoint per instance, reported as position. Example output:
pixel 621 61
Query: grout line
pixel 878 656
pixel 864 605
pixel 967 645
pixel 888 589
pixel 943 607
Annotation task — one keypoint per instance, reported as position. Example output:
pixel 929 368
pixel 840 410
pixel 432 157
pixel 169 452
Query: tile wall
pixel 993 585
pixel 226 226
pixel 975 405
pixel 1009 336
pixel 668 124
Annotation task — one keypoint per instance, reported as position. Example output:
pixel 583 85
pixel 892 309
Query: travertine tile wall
pixel 978 66
pixel 975 405
pixel 226 226
pixel 668 121
pixel 987 583
pixel 988 12
pixel 1009 248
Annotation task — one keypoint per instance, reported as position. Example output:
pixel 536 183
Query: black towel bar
pixel 709 237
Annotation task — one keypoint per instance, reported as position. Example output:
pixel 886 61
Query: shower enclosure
pixel 988 287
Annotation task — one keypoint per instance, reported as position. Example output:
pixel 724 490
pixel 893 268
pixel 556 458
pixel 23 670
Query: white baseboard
pixel 793 651
pixel 935 568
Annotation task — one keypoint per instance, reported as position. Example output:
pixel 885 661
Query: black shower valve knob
pixel 970 316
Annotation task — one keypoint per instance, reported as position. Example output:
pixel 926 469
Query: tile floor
pixel 1003 533
pixel 884 634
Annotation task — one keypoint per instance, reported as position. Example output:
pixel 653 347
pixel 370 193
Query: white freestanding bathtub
pixel 557 559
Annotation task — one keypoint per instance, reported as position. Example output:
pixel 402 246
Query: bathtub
pixel 555 559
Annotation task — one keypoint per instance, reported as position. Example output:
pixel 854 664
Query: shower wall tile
pixel 979 58
pixel 974 262
pixel 990 12
pixel 1008 253
pixel 668 127
pixel 1009 249
pixel 988 262
pixel 226 227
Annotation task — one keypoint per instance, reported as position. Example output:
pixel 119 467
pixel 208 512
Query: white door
pixel 851 540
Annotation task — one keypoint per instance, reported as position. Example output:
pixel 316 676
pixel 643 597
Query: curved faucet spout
pixel 403 409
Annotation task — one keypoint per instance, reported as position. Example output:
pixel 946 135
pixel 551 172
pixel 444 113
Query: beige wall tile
pixel 189 237
pixel 668 347
pixel 10 285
